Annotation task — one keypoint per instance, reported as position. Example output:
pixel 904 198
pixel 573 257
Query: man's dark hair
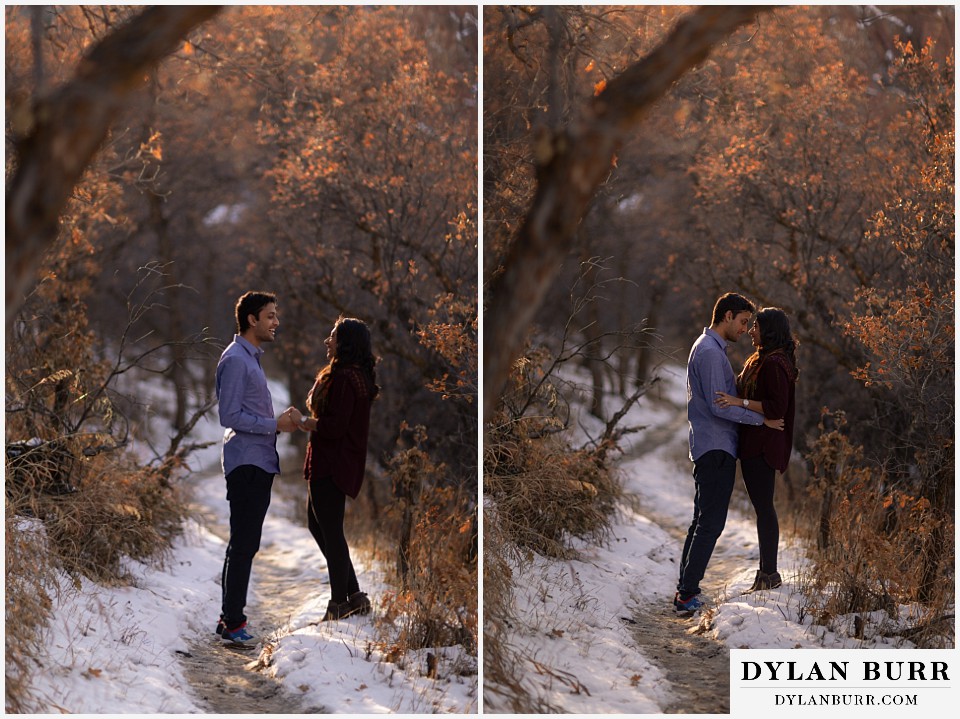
pixel 250 304
pixel 731 302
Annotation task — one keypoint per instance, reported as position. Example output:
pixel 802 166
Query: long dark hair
pixel 354 349
pixel 775 335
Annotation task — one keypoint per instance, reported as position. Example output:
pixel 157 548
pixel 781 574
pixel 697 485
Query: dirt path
pixel 228 680
pixel 696 665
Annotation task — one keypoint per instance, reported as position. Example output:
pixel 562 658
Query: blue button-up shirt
pixel 708 372
pixel 246 409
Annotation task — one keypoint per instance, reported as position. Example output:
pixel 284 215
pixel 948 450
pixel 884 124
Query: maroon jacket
pixel 338 446
pixel 776 385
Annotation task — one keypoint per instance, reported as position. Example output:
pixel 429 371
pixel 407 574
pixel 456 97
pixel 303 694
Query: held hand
pixel 776 424
pixel 727 400
pixel 302 424
pixel 289 421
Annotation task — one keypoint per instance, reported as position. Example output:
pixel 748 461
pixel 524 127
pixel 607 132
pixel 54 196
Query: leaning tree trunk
pixel 571 164
pixel 68 128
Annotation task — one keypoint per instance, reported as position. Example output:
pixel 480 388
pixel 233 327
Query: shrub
pixel 435 537
pixel 541 493
pixel 546 492
pixel 873 549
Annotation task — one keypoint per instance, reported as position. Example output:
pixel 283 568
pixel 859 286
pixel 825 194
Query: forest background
pixel 328 154
pixel 808 163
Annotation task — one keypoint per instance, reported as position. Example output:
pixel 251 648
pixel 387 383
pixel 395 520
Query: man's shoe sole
pixel 230 642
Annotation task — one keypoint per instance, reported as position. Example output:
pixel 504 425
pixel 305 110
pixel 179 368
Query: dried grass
pixel 82 522
pixel 541 494
pixel 547 493
pixel 876 562
pixel 504 666
pixel 27 568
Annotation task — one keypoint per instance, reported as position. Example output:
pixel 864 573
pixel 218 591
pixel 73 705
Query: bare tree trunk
pixel 645 353
pixel 826 511
pixel 594 335
pixel 177 373
pixel 571 164
pixel 937 541
pixel 70 125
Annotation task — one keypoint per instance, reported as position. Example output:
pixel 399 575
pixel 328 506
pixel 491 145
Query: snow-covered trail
pixel 228 680
pixel 677 645
pixel 695 666
pixel 693 662
pixel 330 667
pixel 605 623
pixel 149 646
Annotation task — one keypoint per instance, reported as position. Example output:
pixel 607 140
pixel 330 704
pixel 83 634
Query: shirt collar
pixel 251 348
pixel 717 338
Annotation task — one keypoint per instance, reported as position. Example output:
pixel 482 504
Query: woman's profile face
pixel 755 334
pixel 331 343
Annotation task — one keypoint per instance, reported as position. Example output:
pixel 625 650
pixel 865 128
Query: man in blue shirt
pixel 250 458
pixel 713 441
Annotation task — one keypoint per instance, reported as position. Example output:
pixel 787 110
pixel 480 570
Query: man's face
pixel 735 325
pixel 265 325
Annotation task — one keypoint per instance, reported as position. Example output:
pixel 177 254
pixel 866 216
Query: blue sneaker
pixel 687 606
pixel 238 635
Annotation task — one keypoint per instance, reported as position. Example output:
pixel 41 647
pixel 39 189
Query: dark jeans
pixel 248 492
pixel 325 509
pixel 760 480
pixel 714 474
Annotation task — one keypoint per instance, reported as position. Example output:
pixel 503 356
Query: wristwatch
pixel 746 403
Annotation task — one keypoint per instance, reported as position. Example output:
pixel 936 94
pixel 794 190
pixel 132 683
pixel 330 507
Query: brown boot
pixel 360 603
pixel 337 610
pixel 765 581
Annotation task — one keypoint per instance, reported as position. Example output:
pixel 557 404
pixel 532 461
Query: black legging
pixel 325 509
pixel 760 480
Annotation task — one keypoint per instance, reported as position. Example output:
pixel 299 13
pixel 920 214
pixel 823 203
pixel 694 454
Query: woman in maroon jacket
pixel 339 423
pixel 767 385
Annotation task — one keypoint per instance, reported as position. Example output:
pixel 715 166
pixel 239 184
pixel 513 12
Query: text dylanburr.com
pixel 857 682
